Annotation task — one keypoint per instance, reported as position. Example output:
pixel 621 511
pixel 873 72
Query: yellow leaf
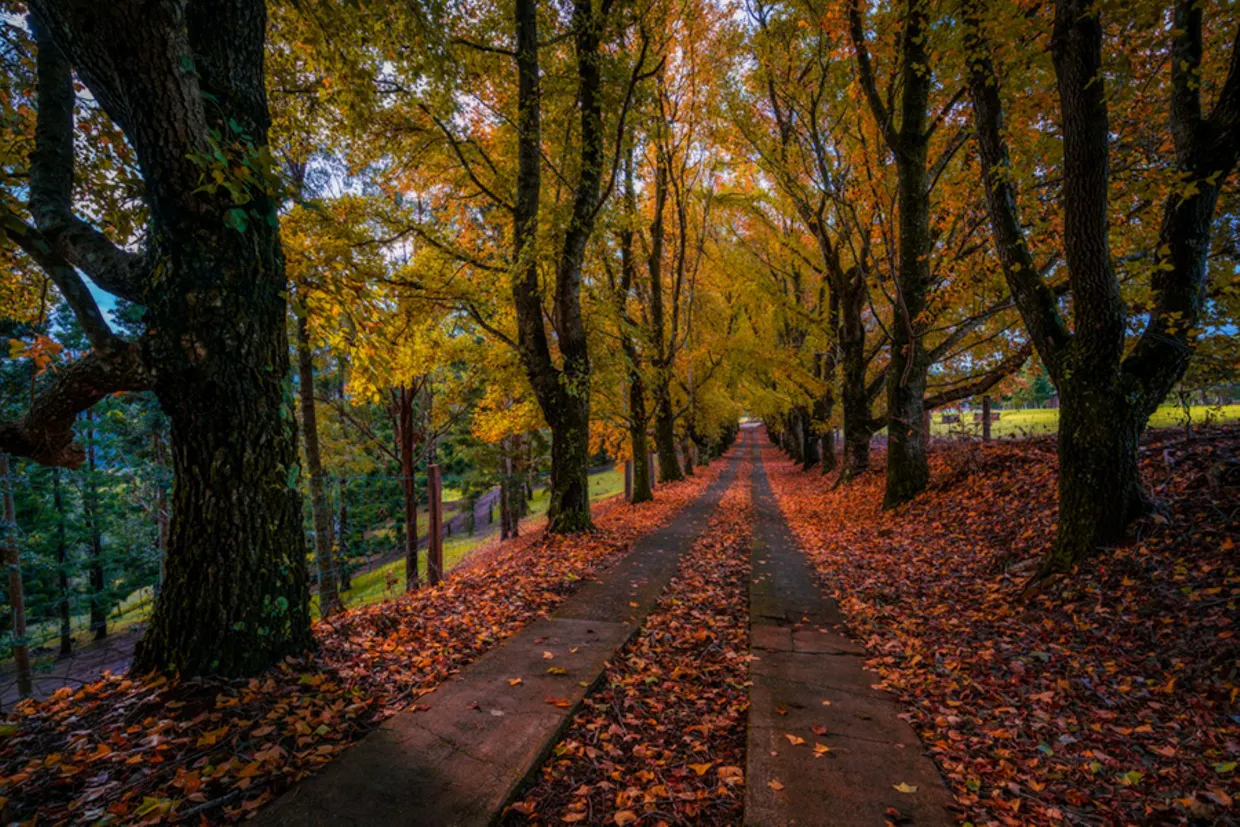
pixel 623 817
pixel 775 785
pixel 795 740
pixel 908 789
pixel 514 681
pixel 701 769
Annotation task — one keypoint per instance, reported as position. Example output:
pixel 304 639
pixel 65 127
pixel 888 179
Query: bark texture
pixel 1107 397
pixel 212 279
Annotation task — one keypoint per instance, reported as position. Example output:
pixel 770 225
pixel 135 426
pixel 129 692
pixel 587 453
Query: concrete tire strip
pixel 460 758
pixel 874 760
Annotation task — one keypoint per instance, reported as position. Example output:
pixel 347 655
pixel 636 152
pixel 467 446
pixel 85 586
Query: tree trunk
pixel 17 594
pixel 908 470
pixel 510 494
pixel 408 469
pixel 569 509
pixel 686 455
pixel 236 598
pixel 665 438
pixel 1099 480
pixel 854 394
pixel 62 568
pixel 829 460
pixel 185 83
pixel 808 438
pixel 638 420
pixel 562 393
pixel 329 596
pixel 98 583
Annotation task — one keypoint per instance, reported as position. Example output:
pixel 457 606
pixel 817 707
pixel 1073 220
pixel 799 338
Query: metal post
pixel 986 418
pixel 434 532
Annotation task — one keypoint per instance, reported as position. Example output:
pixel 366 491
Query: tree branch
pixel 51 181
pixel 45 433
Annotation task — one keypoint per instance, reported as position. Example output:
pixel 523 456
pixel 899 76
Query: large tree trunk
pixel 908 470
pixel 185 83
pixel 329 596
pixel 1099 480
pixel 562 393
pixel 1107 397
pixel 98 583
pixel 236 595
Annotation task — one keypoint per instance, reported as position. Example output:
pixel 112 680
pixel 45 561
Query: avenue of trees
pixel 254 247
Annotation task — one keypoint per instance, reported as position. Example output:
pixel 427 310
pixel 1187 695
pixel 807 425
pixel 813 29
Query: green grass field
pixel 1029 422
pixel 389 580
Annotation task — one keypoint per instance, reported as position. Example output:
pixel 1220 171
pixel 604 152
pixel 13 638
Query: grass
pixel 1027 422
pixel 388 580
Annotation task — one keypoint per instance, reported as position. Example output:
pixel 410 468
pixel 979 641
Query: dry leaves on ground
pixel 151 750
pixel 1108 696
pixel 663 738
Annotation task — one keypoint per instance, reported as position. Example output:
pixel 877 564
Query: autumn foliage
pixel 145 750
pixel 1104 697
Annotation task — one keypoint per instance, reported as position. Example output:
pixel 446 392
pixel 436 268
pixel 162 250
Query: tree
pixel 1107 390
pixel 184 82
pixel 908 470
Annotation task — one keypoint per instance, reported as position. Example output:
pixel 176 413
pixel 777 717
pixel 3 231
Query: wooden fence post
pixel 628 480
pixel 986 418
pixel 17 597
pixel 652 480
pixel 434 532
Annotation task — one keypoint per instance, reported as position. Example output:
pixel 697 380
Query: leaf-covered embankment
pixel 1108 695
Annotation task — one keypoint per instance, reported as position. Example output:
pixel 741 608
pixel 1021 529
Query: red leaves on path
pixel 1106 697
pixel 150 750
pixel 663 739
